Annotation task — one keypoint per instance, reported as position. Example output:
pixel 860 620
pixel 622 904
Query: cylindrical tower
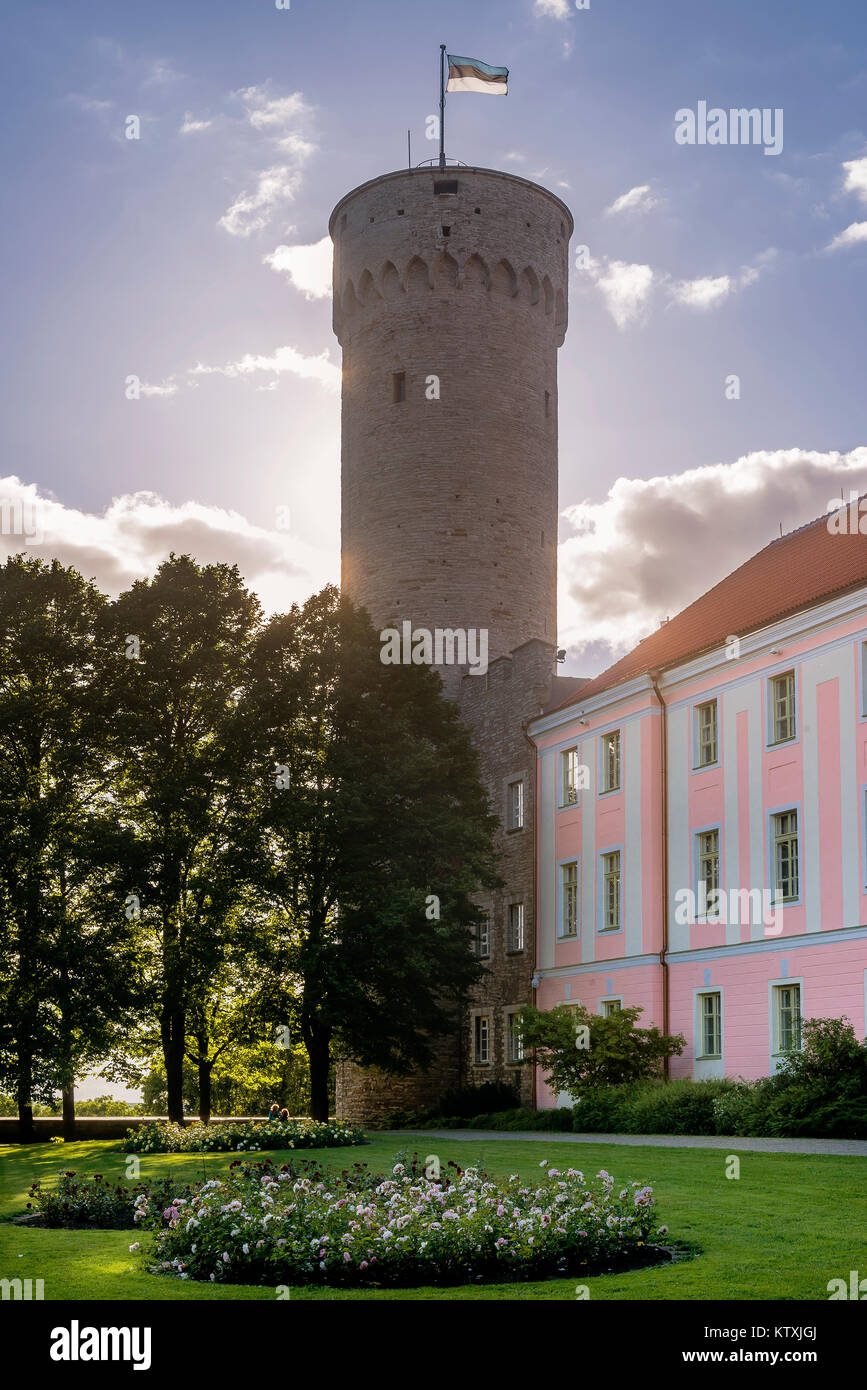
pixel 450 302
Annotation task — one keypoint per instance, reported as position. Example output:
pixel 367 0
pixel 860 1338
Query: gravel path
pixel 856 1147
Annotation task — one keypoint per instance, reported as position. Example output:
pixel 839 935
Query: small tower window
pixel 445 186
pixel 547 404
pixel 400 212
pixel 478 212
pixel 398 388
pixel 447 231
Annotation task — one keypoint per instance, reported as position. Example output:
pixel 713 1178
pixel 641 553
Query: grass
pixel 789 1224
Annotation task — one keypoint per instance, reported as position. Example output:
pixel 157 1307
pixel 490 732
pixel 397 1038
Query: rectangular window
pixel 782 703
pixel 707 866
pixel 516 927
pixel 482 1040
pixel 864 679
pixel 786 872
pixel 787 1024
pixel 706 734
pixel 514 1042
pixel 516 806
pixel 398 388
pixel 569 899
pixel 710 1025
pixel 611 891
pixel 482 941
pixel 611 1006
pixel 611 761
pixel 569 777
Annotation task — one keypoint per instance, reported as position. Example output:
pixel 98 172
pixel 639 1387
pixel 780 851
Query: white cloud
pixel 283 359
pixel 251 212
pixel 705 293
pixel 280 121
pixel 308 268
pixel 515 158
pixel 639 199
pixel 856 232
pixel 191 125
pixel 856 177
pixel 654 545
pixel 139 530
pixel 626 289
pixel 553 9
pixel 270 113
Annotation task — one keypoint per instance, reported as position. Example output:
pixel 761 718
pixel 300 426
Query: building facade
pixel 702 812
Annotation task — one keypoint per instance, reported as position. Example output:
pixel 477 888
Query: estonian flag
pixel 470 75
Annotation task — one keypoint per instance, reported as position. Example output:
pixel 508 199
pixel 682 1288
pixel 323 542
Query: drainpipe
pixel 663 961
pixel 535 765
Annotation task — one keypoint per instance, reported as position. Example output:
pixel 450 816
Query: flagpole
pixel 442 106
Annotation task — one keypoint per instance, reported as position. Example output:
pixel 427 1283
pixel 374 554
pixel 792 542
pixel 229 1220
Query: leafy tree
pixel 182 643
pixel 372 834
pixel 578 1049
pixel 67 967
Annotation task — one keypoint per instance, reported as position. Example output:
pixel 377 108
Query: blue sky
pixel 193 258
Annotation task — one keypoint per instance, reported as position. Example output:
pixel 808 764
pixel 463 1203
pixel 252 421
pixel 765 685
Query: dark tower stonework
pixel 450 304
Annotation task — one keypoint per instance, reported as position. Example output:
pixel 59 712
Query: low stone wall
pixel 100 1126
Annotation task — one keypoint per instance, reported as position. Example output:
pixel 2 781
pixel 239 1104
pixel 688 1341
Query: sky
pixel 170 379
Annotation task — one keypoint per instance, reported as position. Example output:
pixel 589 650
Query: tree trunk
pixel 172 1029
pixel 24 1087
pixel 68 1094
pixel 205 1069
pixel 318 1050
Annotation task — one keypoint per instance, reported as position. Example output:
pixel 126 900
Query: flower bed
pixel 164 1138
pixel 79 1201
pixel 264 1225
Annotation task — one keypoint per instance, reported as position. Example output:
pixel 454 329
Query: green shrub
pixel 674 1107
pixel 160 1137
pixel 469 1101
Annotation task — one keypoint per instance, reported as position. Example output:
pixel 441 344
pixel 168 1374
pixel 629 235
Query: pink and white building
pixel 701 816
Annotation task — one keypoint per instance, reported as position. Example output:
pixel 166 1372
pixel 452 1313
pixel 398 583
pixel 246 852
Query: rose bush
pixel 161 1137
pixel 271 1226
pixel 97 1201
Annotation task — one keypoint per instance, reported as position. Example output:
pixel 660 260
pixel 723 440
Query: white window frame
pixel 567 789
pixel 771 696
pixel 605 786
pixel 481 1035
pixel 482 936
pixel 697 747
pixel 773 839
pixel 697 858
pixel 707 1067
pixel 776 1051
pixel 612 1004
pixel 562 866
pixel 604 854
pixel 515 809
pixel 513 1037
pixel 511 948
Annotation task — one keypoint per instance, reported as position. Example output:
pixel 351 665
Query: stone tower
pixel 450 305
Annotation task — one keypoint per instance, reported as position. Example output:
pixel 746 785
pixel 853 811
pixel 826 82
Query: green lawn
pixel 787 1226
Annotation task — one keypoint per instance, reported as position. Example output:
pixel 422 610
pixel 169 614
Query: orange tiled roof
pixel 795 572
